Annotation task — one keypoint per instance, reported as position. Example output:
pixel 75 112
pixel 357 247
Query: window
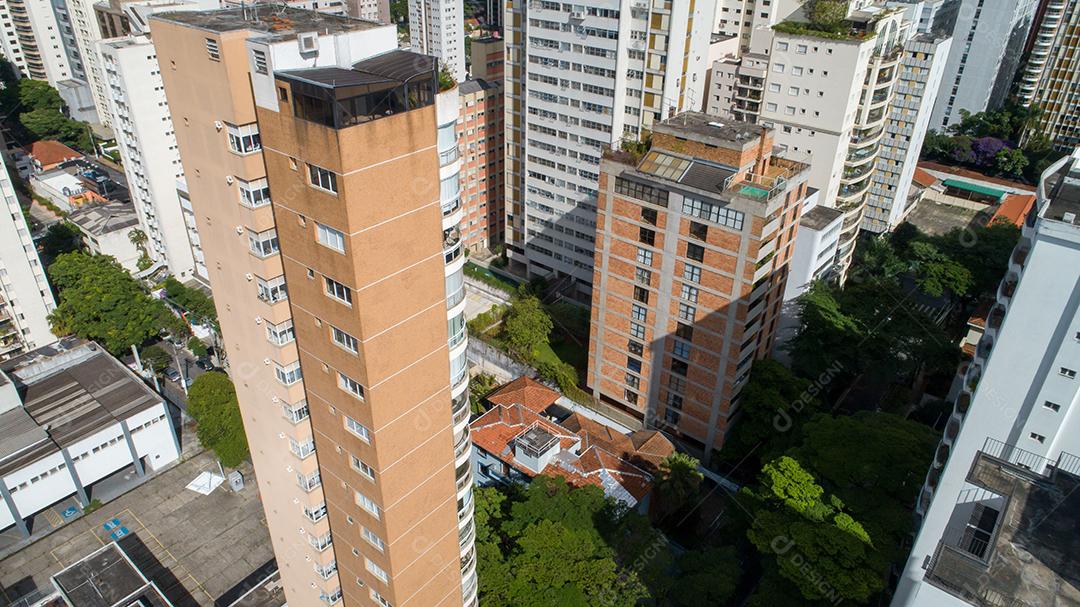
pixel 800 48
pixel 213 50
pixel 315 513
pixel 376 570
pixel 1039 438
pixel 633 364
pixel 643 276
pixel 648 215
pixel 774 87
pixel 273 290
pixel 263 244
pixel 695 251
pixel 343 339
pixel 338 291
pixel 362 468
pixel 635 347
pixel 282 334
pixel 713 212
pixel 781 46
pixel 789 110
pixel 641 191
pixel 691 273
pixel 638 312
pixel 644 256
pixel 633 380
pixel 255 193
pixel 258 58
pixel 772 106
pixel 796 71
pixel 647 236
pixel 641 294
pixel 244 139
pixel 296 413
pixel 687 312
pixel 368 504
pixel 684 331
pixel 323 179
pixel 1052 406
pixel 1067 372
pixel 637 330
pixel 778 68
pixel 679 367
pixel 689 293
pixel 373 539
pixel 699 230
pixel 330 237
pixel 378 598
pixel 288 374
pixel 350 385
pixel 360 430
pixel 681 349
pixel 630 396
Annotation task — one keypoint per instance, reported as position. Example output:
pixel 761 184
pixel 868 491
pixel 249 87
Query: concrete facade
pixel 1051 75
pixel 25 296
pixel 580 79
pixel 1017 406
pixel 988 42
pixel 437 27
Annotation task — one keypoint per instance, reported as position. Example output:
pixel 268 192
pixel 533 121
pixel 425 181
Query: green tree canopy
pixel 527 326
pixel 50 123
pixel 61 237
pixel 199 305
pixel 38 94
pixel 774 403
pixel 875 462
pixel 212 402
pixel 99 300
pixel 937 273
pixel 543 547
pixel 796 525
pixel 155 357
pixel 677 481
pixel 707 578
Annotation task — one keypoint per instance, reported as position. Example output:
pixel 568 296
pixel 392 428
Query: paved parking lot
pixel 195 547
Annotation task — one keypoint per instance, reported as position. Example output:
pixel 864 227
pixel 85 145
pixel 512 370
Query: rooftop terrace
pixel 1063 189
pixel 1031 556
pixel 711 130
pixel 276 21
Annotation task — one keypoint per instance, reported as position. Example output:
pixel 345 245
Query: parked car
pixel 204 364
pixel 172 374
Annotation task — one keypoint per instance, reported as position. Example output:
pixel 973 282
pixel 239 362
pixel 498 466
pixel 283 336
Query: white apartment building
pixel 999 507
pixel 71 415
pixel 437 27
pixel 87 33
pixel 921 67
pixel 370 10
pixel 1051 77
pixel 25 297
pixel 147 140
pixel 828 99
pixel 32 40
pixel 988 42
pixel 749 20
pixel 580 79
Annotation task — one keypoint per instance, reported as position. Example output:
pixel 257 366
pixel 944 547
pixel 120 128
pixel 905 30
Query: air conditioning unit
pixel 218 125
pixel 308 41
pixel 249 276
pixel 258 321
pixel 229 179
pixel 266 361
pixel 240 230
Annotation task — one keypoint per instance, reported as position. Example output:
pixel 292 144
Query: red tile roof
pixel 524 391
pixel 1013 209
pixel 923 178
pixel 48 152
pixel 606 455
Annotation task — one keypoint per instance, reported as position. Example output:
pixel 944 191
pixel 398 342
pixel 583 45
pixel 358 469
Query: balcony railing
pixel 448 156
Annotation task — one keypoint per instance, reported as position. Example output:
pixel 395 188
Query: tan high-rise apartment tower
pixel 329 223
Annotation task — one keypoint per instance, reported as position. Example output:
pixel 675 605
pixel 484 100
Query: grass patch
pixel 497 281
pixel 95 504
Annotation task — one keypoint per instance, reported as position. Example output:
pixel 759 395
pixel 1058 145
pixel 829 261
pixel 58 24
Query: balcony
pixel 1013 546
pixel 448 156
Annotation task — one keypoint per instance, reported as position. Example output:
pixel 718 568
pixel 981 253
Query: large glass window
pixel 324 179
pixel 335 239
pixel 244 139
pixel 263 244
pixel 338 291
pixel 255 193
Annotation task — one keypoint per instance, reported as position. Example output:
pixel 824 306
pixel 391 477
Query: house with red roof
pixel 527 433
pixel 48 154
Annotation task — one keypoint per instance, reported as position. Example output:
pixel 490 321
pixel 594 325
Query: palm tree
pixel 677 481
pixel 137 237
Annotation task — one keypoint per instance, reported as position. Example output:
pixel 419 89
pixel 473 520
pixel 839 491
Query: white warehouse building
pixel 70 416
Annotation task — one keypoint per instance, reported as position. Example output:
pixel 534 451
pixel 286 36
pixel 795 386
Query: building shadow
pixel 147 562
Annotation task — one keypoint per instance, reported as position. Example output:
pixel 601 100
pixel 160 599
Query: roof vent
pixel 308 41
pixel 1068 217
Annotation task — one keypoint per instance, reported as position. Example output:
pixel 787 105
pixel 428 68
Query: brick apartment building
pixel 693 242
pixel 480 131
